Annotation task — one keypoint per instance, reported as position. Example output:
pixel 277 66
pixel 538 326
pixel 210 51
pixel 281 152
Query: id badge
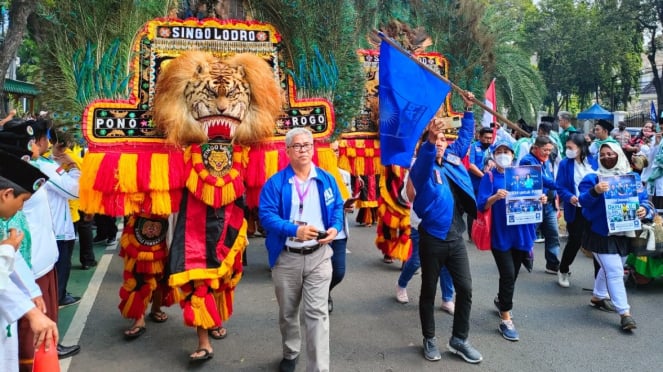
pixel 453 159
pixel 438 177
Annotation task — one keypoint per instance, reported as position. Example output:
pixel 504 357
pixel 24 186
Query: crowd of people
pixel 42 224
pixel 304 217
pixel 573 166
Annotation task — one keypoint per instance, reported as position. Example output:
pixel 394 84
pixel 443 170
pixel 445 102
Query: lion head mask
pixel 200 97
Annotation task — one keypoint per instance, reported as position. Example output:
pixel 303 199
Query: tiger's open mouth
pixel 219 126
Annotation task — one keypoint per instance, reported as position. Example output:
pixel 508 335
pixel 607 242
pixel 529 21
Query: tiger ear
pixel 240 70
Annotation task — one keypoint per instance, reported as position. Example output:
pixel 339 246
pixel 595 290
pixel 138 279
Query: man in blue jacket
pixel 301 209
pixel 540 155
pixel 444 191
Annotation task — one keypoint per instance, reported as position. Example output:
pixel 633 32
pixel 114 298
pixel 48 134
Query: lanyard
pixel 301 195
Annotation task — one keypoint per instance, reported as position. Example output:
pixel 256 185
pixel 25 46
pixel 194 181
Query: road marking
pixel 77 324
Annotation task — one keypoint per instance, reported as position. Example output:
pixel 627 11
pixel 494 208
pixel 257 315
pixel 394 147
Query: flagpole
pixel 451 83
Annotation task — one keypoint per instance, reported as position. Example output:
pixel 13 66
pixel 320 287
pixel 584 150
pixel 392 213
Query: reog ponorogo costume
pixel 199 135
pixel 360 147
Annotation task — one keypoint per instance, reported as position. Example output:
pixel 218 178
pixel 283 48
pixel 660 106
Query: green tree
pixel 519 85
pixel 648 16
pixel 19 10
pixel 87 37
pixel 585 50
pixel 321 48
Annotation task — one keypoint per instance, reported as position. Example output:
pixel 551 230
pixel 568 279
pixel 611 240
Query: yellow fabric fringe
pixel 159 174
pixel 328 161
pixel 127 168
pixel 90 199
pixel 271 163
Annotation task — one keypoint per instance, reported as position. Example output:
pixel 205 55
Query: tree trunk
pixel 18 16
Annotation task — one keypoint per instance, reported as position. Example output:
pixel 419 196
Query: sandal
pixel 207 355
pixel 603 305
pixel 218 333
pixel 134 332
pixel 158 316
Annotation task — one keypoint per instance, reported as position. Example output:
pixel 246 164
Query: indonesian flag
pixel 491 101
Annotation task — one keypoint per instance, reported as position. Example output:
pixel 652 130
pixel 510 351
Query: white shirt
pixel 656 187
pixel 579 172
pixel 414 219
pixel 7 253
pixel 40 222
pixel 61 187
pixel 311 214
pixel 347 180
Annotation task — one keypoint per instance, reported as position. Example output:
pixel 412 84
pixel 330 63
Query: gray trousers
pixel 306 277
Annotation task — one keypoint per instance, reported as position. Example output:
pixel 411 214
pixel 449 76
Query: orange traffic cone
pixel 46 361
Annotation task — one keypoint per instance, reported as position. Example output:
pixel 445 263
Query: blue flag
pixel 652 112
pixel 653 117
pixel 410 95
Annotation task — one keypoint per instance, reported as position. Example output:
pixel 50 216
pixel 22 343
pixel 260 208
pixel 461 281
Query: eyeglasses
pixel 300 147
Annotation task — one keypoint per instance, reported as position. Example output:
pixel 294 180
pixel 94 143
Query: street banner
pixel 621 202
pixel 524 187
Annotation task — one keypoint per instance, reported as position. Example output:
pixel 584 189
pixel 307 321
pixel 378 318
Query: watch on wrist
pixel 468 108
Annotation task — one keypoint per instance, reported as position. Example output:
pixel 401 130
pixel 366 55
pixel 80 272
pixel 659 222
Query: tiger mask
pixel 200 97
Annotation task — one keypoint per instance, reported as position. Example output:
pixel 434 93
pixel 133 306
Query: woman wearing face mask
pixel 610 250
pixel 572 170
pixel 510 245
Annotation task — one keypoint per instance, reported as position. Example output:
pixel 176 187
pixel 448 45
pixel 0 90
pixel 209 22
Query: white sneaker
pixel 401 295
pixel 563 279
pixel 449 307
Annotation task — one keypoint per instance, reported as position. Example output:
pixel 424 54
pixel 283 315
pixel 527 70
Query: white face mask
pixel 571 154
pixel 503 160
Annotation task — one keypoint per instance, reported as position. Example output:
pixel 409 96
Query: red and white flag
pixel 491 101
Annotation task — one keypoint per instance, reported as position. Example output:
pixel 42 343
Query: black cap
pixel 20 172
pixel 16 136
pixel 606 125
pixel 40 126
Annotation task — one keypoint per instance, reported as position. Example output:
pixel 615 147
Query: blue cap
pixel 501 143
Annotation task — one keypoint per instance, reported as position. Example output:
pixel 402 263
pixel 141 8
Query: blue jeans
pixel 338 261
pixel 550 232
pixel 411 265
pixel 63 265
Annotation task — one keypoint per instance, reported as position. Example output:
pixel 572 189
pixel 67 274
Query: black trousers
pixel 576 230
pixel 106 226
pixel 508 265
pixel 84 229
pixel 435 253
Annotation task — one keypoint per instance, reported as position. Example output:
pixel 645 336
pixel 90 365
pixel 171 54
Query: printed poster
pixel 524 186
pixel 621 202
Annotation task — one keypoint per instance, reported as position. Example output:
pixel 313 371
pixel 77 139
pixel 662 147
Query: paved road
pixel 370 331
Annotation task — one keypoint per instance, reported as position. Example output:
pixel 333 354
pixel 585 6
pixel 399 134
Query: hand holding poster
pixel 621 203
pixel 523 202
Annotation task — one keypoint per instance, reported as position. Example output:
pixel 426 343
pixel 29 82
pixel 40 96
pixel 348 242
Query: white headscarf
pixel 622 166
